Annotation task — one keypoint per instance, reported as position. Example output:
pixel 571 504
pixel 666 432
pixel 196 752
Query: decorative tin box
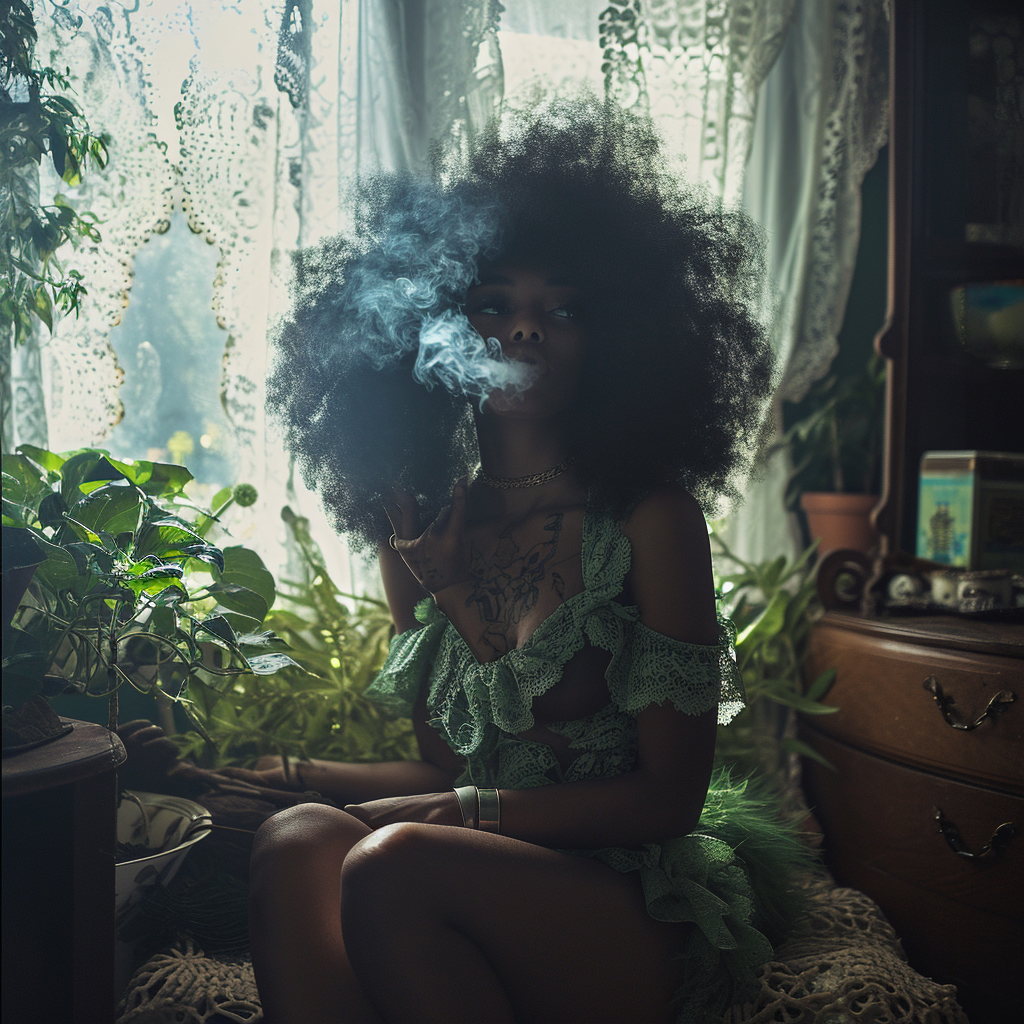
pixel 971 509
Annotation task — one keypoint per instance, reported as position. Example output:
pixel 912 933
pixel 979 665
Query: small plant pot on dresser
pixel 840 521
pixel 923 808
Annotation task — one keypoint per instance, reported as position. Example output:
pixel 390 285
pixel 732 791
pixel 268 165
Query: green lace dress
pixel 730 877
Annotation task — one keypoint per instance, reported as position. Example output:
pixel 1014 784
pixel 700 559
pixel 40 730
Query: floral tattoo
pixel 507 586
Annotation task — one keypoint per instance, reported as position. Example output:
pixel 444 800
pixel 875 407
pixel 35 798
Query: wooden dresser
pixel 924 811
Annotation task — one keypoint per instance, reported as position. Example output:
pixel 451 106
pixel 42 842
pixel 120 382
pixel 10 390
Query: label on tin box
pixel 944 522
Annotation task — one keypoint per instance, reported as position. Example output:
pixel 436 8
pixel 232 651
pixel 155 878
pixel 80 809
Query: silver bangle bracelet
pixel 469 801
pixel 489 811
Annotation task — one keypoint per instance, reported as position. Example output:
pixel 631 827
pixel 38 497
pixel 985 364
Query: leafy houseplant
pixel 123 585
pixel 37 120
pixel 343 640
pixel 773 605
pixel 836 447
pixel 318 710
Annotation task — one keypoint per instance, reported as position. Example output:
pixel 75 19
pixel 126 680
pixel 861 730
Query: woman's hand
pixel 437 557
pixel 428 808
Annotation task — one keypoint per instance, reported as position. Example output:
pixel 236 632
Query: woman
pixel 557 643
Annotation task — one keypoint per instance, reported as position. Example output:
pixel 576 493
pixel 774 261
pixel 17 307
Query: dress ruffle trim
pixel 704 879
pixel 646 667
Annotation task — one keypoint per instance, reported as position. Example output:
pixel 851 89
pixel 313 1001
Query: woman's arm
pixel 401 588
pixel 671 583
pixel 344 782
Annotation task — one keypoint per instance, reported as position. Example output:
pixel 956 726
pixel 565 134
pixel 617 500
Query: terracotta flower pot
pixel 840 521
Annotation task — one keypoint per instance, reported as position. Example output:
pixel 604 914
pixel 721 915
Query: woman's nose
pixel 526 328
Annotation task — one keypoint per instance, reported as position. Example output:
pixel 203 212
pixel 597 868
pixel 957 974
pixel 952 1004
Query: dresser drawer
pixel 886 691
pixel 883 816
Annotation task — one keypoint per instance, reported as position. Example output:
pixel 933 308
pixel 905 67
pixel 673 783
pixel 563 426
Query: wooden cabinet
pixel 59 840
pixel 919 788
pixel 923 808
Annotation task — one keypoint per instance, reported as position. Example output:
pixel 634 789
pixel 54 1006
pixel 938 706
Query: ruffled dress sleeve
pixel 408 664
pixel 648 667
pixel 651 668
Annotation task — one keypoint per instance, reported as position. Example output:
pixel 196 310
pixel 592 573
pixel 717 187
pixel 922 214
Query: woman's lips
pixel 530 356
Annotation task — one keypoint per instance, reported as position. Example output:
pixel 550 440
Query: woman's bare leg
pixel 298 954
pixel 446 924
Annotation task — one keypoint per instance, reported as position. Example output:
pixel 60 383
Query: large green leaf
pixel 83 552
pixel 20 548
pixel 162 536
pixel 768 623
pixel 241 599
pixel 245 568
pixel 24 482
pixel 156 478
pixel 164 621
pixel 219 627
pixel 16 515
pixel 52 509
pixel 60 569
pixel 113 508
pixel 50 461
pixel 152 580
pixel 85 471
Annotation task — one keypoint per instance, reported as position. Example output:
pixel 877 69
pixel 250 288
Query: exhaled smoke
pixel 454 355
pixel 404 282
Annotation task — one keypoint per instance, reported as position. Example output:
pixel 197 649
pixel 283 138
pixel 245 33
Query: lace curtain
pixel 822 117
pixel 778 106
pixel 247 121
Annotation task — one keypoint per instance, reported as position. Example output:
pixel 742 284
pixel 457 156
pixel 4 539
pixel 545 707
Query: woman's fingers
pixel 452 518
pixel 457 521
pixel 403 512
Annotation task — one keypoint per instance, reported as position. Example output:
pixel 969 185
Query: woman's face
pixel 536 316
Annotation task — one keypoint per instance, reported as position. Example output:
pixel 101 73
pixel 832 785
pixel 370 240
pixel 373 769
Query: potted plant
pixel 836 448
pixel 123 587
pixel 318 710
pixel 772 604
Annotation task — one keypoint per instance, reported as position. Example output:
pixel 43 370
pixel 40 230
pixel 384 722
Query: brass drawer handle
pixel 946 705
pixel 950 833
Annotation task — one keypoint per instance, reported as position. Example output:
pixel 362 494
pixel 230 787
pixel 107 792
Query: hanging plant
pixel 37 120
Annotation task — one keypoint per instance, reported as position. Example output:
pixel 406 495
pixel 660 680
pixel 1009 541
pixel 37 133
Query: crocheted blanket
pixel 843 963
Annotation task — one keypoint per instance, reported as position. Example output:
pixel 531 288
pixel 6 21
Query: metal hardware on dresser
pixel 946 705
pixel 1002 835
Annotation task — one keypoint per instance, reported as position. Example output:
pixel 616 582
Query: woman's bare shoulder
pixel 670 578
pixel 667 513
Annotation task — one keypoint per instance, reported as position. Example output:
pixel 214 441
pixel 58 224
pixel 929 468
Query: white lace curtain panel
pixel 249 119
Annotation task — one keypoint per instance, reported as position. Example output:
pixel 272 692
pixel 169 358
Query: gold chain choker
pixel 508 483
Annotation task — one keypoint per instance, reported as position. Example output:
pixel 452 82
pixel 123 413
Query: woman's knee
pixel 388 865
pixel 299 837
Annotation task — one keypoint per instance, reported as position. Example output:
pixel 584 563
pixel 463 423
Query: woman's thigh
pixel 568 937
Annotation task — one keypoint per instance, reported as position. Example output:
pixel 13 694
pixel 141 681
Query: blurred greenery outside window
pixel 170 348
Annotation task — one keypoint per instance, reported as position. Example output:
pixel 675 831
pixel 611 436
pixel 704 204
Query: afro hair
pixel 678 370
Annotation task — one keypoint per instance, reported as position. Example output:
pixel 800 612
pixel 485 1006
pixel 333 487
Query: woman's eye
pixel 564 310
pixel 488 308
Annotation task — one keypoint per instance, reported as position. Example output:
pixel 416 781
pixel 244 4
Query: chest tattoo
pixel 508 585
